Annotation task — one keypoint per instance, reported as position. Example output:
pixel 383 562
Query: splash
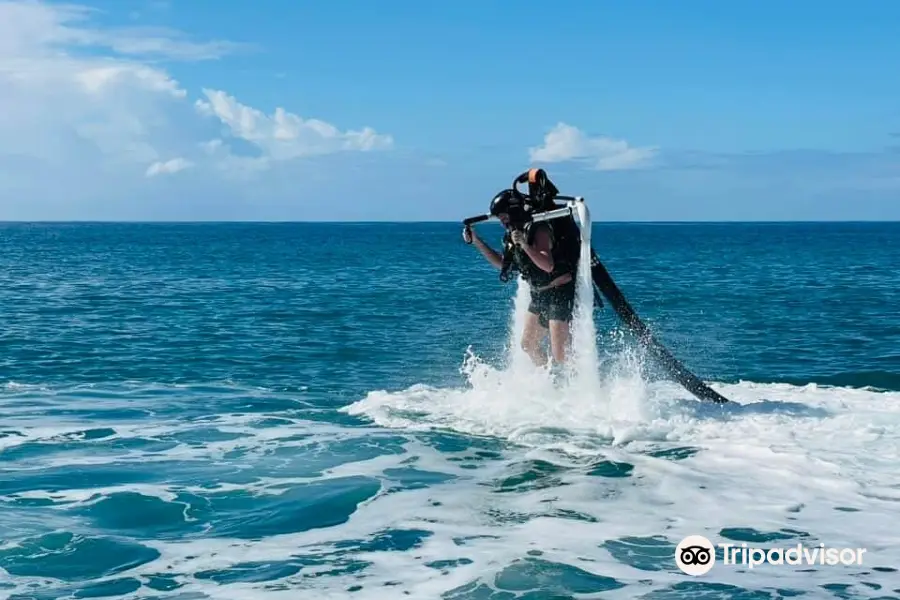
pixel 582 368
pixel 517 359
pixel 585 361
pixel 588 403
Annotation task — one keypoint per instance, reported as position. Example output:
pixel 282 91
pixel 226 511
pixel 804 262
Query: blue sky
pixel 701 110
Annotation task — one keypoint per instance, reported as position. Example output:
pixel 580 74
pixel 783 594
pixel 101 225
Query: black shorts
pixel 554 304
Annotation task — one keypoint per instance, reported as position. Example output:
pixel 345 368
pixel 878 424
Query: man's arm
pixel 489 253
pixel 539 252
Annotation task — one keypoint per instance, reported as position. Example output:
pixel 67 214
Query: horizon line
pixel 418 222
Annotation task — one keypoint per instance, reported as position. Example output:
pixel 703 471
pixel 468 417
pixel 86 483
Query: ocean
pixel 240 411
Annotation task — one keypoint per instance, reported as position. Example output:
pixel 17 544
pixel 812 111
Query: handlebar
pixel 476 219
pixel 541 216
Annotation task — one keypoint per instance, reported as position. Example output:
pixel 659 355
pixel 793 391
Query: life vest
pixel 565 249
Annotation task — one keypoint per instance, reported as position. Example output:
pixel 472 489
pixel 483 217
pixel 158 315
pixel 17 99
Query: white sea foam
pixel 782 457
pixel 818 460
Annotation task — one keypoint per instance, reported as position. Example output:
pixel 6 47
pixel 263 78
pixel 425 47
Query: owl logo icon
pixel 695 555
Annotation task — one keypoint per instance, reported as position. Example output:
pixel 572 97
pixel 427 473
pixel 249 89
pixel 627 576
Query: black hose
pixel 604 282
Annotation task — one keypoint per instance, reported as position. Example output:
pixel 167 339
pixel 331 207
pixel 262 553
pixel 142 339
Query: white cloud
pixel 567 143
pixel 169 167
pixel 87 112
pixel 33 28
pixel 286 136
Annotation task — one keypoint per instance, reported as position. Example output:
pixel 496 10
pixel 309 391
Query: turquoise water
pixel 297 410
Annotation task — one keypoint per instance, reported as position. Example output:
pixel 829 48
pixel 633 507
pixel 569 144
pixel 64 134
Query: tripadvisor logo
pixel 695 555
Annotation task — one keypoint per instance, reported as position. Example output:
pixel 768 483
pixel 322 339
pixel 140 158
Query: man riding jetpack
pixel 544 253
pixel 543 243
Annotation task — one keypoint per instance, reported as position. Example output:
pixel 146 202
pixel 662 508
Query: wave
pixel 605 401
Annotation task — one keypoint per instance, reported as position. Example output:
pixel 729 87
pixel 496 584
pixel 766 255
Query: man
pixel 548 262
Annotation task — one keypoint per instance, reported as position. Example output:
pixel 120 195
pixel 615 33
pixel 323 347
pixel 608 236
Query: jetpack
pixel 543 202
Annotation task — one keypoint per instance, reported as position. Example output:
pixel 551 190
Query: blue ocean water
pixel 323 410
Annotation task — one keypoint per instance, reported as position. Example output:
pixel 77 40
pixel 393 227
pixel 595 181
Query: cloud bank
pixel 85 114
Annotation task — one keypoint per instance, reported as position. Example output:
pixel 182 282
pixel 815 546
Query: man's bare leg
pixel 559 340
pixel 531 339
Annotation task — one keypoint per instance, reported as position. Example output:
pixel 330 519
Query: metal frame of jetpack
pixel 604 283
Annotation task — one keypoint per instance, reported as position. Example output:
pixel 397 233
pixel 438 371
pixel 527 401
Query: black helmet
pixel 502 202
pixel 513 204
